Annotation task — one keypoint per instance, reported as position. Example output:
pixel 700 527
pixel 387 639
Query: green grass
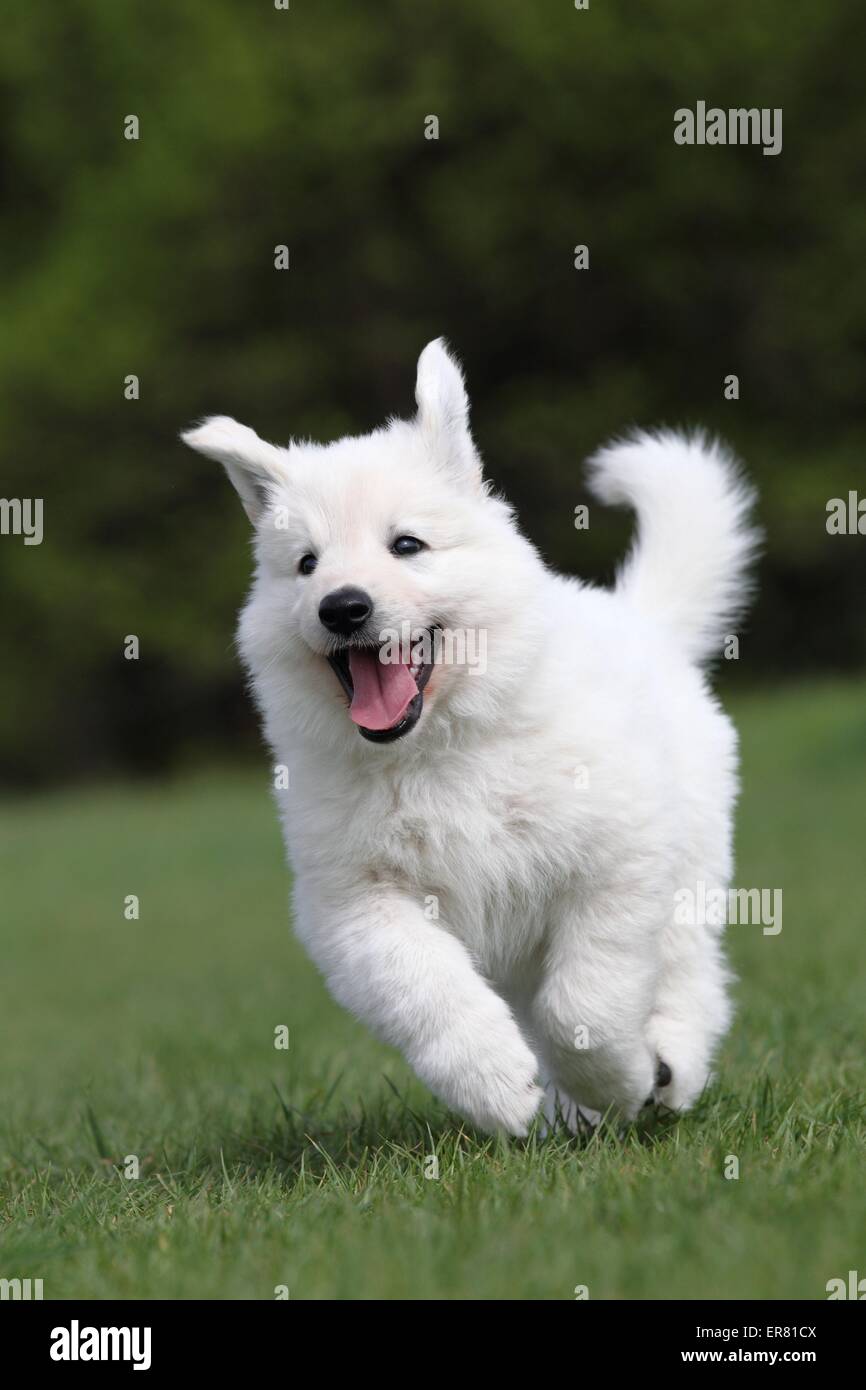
pixel 306 1167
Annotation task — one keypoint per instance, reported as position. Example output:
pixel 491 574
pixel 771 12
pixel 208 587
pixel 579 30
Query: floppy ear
pixel 443 413
pixel 253 465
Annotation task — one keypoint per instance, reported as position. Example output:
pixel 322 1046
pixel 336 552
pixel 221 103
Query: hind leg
pixel 591 1010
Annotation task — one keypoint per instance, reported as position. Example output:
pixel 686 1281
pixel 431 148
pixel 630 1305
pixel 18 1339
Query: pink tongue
pixel 383 691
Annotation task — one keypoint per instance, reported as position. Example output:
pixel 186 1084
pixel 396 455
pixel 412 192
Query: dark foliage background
pixel 306 127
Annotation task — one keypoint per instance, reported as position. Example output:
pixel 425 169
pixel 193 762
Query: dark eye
pixel 407 545
pixel 307 565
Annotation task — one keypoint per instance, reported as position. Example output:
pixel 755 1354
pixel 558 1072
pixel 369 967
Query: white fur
pixel 548 809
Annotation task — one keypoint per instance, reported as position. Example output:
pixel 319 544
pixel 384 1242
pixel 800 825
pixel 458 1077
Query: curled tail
pixel 689 565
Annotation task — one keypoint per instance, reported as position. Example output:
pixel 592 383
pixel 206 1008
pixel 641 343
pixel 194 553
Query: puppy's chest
pixel 476 847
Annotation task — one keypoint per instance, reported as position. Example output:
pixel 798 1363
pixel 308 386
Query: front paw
pixel 491 1081
pixel 682 1071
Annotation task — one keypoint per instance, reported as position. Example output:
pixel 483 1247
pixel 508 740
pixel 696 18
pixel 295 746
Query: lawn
pixel 309 1167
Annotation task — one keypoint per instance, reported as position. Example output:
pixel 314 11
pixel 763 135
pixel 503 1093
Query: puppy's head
pixel 384 567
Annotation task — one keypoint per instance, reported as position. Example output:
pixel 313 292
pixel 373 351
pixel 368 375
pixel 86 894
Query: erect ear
pixel 443 413
pixel 253 465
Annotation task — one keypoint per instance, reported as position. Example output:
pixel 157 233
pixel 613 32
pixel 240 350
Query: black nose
pixel 345 610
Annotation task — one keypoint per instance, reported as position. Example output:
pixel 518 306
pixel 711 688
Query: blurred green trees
pixel 305 127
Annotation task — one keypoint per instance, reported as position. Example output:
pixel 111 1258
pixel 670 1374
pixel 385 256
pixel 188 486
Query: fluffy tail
pixel 689 565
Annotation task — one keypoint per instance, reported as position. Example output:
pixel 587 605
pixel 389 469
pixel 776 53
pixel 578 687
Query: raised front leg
pixel 415 986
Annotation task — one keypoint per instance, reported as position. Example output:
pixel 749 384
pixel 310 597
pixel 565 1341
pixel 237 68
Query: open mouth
pixel 385 697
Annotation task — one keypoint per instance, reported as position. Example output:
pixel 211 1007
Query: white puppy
pixel 488 827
